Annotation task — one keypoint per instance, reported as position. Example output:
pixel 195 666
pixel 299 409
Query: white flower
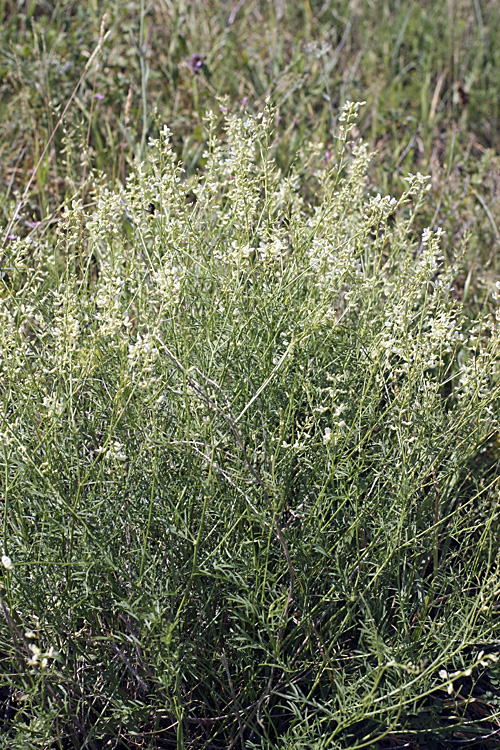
pixel 54 406
pixel 40 658
pixel 116 452
pixel 36 655
pixel 426 235
pixel 7 562
pixel 327 436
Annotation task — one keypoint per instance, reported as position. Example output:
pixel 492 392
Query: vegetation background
pixel 84 86
pixel 428 72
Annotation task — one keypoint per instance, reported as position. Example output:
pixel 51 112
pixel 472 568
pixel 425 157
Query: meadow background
pixel 324 572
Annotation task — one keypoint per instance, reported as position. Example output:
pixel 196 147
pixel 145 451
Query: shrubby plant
pixel 248 461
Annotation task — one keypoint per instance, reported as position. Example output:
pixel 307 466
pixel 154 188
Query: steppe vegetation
pixel 249 375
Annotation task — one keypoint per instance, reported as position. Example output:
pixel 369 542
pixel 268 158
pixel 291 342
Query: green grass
pixel 248 408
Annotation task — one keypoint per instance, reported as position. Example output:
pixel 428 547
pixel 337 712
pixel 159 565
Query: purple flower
pixel 99 97
pixel 196 63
